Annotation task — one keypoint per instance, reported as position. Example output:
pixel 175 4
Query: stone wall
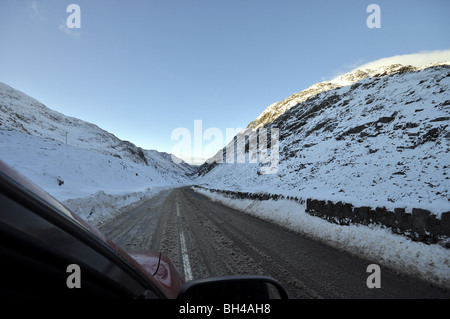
pixel 419 225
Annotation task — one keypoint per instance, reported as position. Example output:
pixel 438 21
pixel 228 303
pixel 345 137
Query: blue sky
pixel 141 69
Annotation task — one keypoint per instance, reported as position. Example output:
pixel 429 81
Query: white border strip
pixel 186 264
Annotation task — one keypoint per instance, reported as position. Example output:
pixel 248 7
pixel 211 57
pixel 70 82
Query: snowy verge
pixel 91 184
pixel 426 262
pixel 100 207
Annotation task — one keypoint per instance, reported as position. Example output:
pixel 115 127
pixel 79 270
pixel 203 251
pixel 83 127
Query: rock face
pixel 378 138
pixel 276 109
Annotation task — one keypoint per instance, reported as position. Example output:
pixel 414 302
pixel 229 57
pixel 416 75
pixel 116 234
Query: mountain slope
pixel 21 113
pixel 72 158
pixel 373 137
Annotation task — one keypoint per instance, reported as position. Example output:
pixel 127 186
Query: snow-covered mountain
pixel 369 137
pixel 276 109
pixel 21 113
pixel 71 158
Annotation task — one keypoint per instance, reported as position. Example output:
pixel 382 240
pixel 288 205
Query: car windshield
pixel 304 141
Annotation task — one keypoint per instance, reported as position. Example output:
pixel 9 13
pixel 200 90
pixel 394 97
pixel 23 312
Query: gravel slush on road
pixel 207 239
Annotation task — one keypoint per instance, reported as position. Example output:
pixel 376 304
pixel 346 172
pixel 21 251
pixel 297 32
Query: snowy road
pixel 205 239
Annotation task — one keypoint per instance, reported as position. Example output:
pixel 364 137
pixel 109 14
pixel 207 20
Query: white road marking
pixel 184 254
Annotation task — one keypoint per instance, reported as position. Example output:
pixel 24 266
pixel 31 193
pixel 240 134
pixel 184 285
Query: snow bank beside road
pixel 100 206
pixel 379 245
pixel 94 185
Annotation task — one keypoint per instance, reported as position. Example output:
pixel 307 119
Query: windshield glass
pixel 306 141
